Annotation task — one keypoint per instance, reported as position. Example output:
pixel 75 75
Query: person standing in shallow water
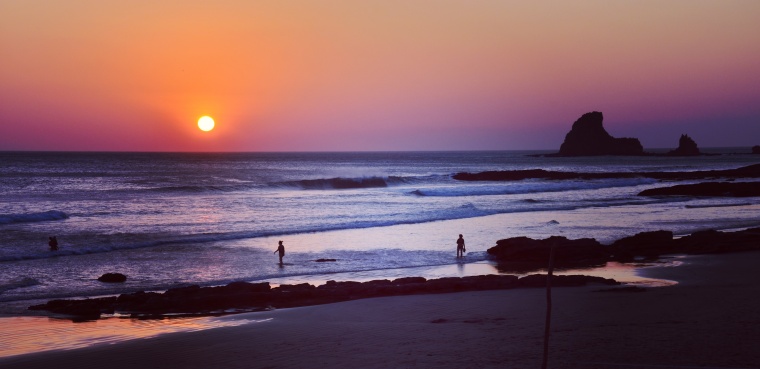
pixel 53 243
pixel 281 250
pixel 460 246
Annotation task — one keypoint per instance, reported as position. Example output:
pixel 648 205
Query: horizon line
pixel 339 151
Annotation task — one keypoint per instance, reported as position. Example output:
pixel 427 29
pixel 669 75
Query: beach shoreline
pixel 709 319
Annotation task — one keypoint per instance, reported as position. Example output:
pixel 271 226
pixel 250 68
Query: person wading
pixel 460 246
pixel 53 243
pixel 281 250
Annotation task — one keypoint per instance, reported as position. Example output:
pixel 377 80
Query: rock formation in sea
pixel 750 171
pixel 523 253
pixel 756 149
pixel 584 252
pixel 589 138
pixel 686 147
pixel 713 189
pixel 113 278
pixel 244 296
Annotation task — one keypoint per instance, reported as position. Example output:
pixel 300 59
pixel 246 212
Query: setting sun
pixel 206 123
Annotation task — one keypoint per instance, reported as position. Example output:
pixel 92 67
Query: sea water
pixel 174 219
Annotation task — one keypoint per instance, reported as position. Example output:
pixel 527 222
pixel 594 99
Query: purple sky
pixel 374 75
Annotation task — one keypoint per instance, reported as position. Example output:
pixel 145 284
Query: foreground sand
pixel 709 320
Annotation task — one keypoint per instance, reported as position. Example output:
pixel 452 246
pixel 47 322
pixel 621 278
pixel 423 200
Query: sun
pixel 206 123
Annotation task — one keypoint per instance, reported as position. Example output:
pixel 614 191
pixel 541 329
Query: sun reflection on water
pixel 23 335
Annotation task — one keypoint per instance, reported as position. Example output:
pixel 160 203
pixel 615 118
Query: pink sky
pixel 374 75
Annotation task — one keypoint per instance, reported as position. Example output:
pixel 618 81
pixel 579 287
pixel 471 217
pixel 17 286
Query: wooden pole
pixel 548 306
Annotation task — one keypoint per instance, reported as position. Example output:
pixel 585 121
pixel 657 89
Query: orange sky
pixel 374 75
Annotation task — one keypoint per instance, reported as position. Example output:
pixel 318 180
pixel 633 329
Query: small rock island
pixel 686 147
pixel 589 138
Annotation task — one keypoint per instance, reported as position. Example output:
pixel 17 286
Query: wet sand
pixel 711 319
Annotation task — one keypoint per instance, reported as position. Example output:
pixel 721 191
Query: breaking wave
pixel 201 188
pixel 341 183
pixel 524 187
pixel 18 283
pixel 32 217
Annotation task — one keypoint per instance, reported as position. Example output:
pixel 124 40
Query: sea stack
pixel 756 149
pixel 686 147
pixel 589 138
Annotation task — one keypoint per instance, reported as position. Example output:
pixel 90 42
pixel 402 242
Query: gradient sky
pixel 374 75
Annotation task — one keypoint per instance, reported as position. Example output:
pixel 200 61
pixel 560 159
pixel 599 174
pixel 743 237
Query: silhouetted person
pixel 281 250
pixel 460 246
pixel 53 243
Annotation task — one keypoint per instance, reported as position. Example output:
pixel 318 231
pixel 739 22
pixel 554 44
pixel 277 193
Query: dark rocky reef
pixel 750 171
pixel 686 147
pixel 649 245
pixel 242 296
pixel 526 251
pixel 589 138
pixel 714 189
pixel 756 149
pixel 113 278
pixel 522 253
pixel 654 244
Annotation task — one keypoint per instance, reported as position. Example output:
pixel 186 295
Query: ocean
pixel 175 219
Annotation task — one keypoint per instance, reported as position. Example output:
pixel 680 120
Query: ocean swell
pixel 339 183
pixel 18 283
pixel 525 187
pixel 201 188
pixel 32 217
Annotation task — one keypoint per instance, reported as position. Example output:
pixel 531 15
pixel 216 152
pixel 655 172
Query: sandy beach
pixel 711 319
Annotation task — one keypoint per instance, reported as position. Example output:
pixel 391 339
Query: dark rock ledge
pixel 523 253
pixel 113 278
pixel 712 189
pixel 243 296
pixel 750 171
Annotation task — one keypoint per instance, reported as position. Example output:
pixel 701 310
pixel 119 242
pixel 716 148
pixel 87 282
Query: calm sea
pixel 174 219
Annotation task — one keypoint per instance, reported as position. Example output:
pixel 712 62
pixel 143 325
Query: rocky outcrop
pixel 750 171
pixel 756 149
pixel 523 254
pixel 712 189
pixel 686 147
pixel 589 138
pixel 647 244
pixel 701 242
pixel 525 251
pixel 242 296
pixel 113 278
pixel 79 310
pixel 717 242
